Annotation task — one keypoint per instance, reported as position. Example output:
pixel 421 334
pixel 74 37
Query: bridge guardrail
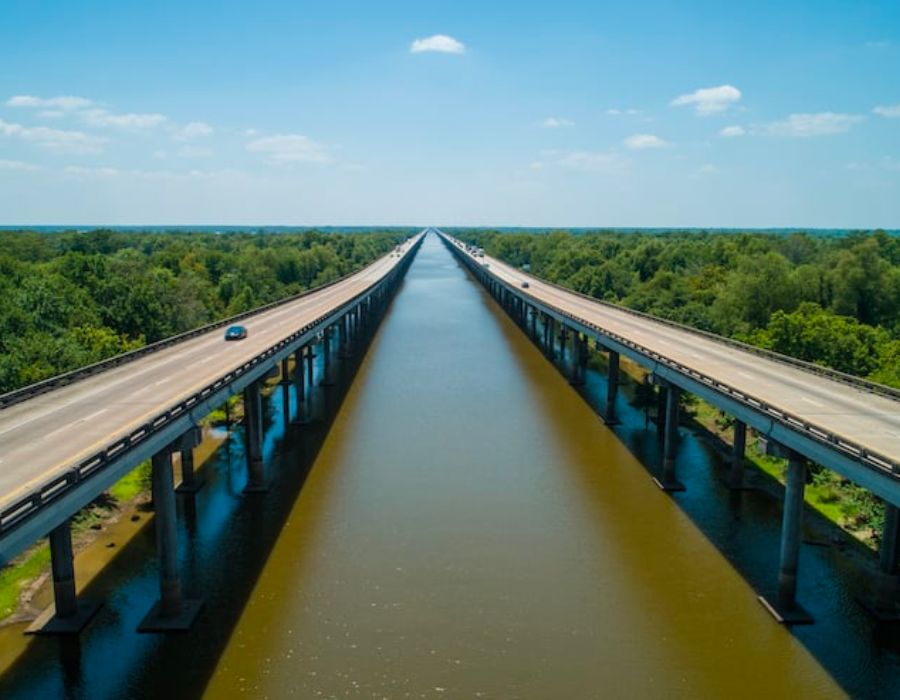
pixel 837 375
pixel 847 446
pixel 56 486
pixel 26 392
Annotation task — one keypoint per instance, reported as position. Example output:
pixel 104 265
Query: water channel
pixel 459 523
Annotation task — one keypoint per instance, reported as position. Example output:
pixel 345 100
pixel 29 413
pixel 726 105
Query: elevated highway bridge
pixel 65 441
pixel 801 411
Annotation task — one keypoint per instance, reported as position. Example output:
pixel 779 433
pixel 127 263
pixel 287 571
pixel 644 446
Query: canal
pixel 457 522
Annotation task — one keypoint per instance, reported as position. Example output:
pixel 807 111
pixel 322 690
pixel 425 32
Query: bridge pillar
pixel 612 388
pixel 661 410
pixel 299 389
pixel 68 615
pixel 670 445
pixel 344 329
pixel 171 612
pixel 533 314
pixel 253 437
pixel 884 606
pixel 327 379
pixel 579 359
pixel 286 392
pixel 785 607
pixel 736 472
pixel 310 365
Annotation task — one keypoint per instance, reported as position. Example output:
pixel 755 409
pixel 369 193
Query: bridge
pixel 68 439
pixel 801 411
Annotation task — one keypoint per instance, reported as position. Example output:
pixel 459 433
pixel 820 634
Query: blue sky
pixel 469 113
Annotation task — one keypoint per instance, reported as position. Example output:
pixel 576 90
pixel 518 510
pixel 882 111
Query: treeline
pixel 70 299
pixel 832 300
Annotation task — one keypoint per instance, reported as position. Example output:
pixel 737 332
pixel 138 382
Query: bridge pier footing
pixel 669 482
pixel 784 607
pixel 68 614
pixel 253 439
pixel 172 612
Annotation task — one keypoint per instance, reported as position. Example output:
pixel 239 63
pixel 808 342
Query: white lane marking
pixel 698 357
pixel 745 375
pixel 74 423
pixel 814 403
pixel 162 381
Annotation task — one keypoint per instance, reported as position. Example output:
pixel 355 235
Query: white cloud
pixel 79 170
pixel 819 124
pixel 440 43
pixel 104 118
pixel 53 139
pixel 192 131
pixel 709 100
pixel 639 141
pixel 556 123
pixel 291 148
pixel 16 165
pixel 732 131
pixel 890 111
pixel 63 102
pixel 594 161
pixel 623 112
pixel 189 151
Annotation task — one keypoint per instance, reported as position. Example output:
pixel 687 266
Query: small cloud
pixel 104 118
pixel 708 101
pixel 556 123
pixel 441 43
pixel 250 132
pixel 59 140
pixel 16 165
pixel 889 111
pixel 291 148
pixel 640 141
pixel 63 102
pixel 624 112
pixel 732 131
pixel 594 161
pixel 805 125
pixel 189 151
pixel 192 131
pixel 81 171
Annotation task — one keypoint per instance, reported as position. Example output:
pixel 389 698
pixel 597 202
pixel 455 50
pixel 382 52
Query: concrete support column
pixel 327 379
pixel 669 482
pixel 661 410
pixel 736 472
pixel 299 389
pixel 579 359
pixel 253 432
pixel 884 606
pixel 310 365
pixel 344 347
pixel 285 392
pixel 68 615
pixel 551 347
pixel 563 341
pixel 612 387
pixel 785 608
pixel 533 313
pixel 190 482
pixel 172 612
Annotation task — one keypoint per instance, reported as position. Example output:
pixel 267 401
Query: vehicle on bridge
pixel 235 333
pixel 525 284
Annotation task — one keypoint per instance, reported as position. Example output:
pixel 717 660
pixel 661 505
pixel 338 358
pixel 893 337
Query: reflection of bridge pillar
pixel 612 387
pixel 253 436
pixel 785 607
pixel 67 616
pixel 736 472
pixel 172 612
pixel 670 445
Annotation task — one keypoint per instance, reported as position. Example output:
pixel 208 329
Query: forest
pixel 831 300
pixel 70 299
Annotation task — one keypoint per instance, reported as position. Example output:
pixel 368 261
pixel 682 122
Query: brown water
pixel 471 529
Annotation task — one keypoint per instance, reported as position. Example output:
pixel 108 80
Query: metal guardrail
pixel 882 463
pixel 49 491
pixel 26 392
pixel 843 377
